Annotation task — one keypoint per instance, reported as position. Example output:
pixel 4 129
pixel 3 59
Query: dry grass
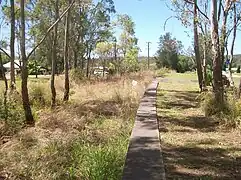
pixel 86 138
pixel 194 146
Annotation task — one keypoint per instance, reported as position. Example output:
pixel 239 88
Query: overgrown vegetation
pixel 228 113
pixel 86 138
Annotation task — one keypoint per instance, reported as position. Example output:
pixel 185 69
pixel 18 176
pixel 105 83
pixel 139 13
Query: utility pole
pixel 148 50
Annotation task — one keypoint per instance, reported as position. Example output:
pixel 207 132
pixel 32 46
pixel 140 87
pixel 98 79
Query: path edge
pixel 162 174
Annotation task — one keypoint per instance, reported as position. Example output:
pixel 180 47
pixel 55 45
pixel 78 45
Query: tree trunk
pixel 232 46
pixel 24 73
pixel 12 47
pixel 196 47
pixel 75 52
pixel 104 67
pixel 224 30
pixel 217 62
pixel 204 64
pixel 88 62
pixel 82 52
pixel 223 37
pixel 205 50
pixel 54 56
pixel 66 57
pixel 75 59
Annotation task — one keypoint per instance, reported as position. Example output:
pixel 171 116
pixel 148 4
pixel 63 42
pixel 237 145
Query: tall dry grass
pixel 86 138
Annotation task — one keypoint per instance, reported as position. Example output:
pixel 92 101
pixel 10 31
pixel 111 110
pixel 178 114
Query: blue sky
pixel 150 16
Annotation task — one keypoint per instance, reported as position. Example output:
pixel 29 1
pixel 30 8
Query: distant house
pixel 17 65
pixel 98 71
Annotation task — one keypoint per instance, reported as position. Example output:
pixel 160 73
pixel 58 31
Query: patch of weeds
pixel 78 160
pixel 39 94
pixel 77 75
pixel 11 114
pixel 105 162
pixel 228 113
pixel 161 72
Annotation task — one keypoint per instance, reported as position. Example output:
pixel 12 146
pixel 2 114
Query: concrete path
pixel 144 158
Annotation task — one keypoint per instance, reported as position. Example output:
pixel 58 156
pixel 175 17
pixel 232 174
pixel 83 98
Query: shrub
pixel 11 114
pixel 209 77
pixel 228 113
pixel 161 72
pixel 76 74
pixel 39 94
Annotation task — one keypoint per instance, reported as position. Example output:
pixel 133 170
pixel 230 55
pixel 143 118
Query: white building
pixel 17 66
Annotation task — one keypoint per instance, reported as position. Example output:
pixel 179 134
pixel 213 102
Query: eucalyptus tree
pixel 127 42
pixel 218 22
pixel 104 50
pixel 66 55
pixel 98 27
pixel 12 44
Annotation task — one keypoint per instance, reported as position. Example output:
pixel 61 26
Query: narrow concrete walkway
pixel 144 158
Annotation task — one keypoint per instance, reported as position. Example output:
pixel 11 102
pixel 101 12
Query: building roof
pixel 16 65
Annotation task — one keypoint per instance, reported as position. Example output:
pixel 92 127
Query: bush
pixel 209 77
pixel 39 94
pixel 228 113
pixel 161 72
pixel 76 75
pixel 11 114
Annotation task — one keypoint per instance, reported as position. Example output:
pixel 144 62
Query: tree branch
pixel 1 49
pixel 49 29
pixel 199 10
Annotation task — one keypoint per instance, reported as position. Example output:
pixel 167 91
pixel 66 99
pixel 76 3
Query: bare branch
pixel 1 49
pixel 199 10
pixel 49 29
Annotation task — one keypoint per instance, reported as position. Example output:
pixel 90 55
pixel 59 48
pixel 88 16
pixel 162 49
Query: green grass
pixel 80 158
pixel 194 146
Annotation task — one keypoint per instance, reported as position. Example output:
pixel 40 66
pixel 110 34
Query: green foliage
pixel 184 64
pixel 238 69
pixel 33 67
pixel 104 162
pixel 131 60
pixel 11 114
pixel 79 160
pixel 112 69
pixel 167 54
pixel 209 77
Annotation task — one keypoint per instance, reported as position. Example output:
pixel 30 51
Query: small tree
pixel 167 54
